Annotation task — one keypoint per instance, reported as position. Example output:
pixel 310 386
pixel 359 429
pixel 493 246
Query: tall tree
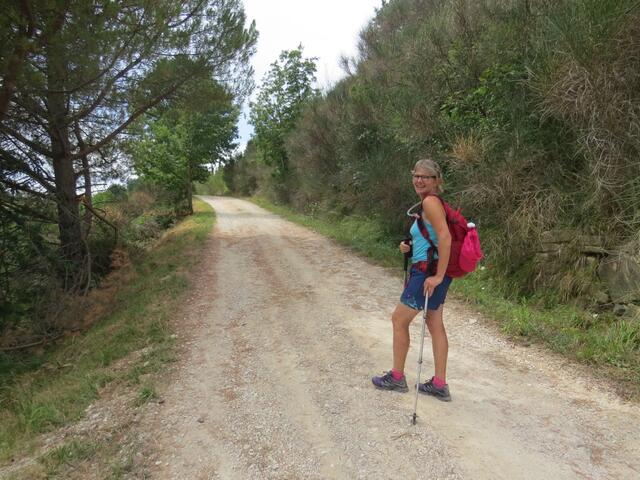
pixel 285 89
pixel 76 74
pixel 177 147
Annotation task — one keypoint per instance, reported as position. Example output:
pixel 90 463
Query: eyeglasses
pixel 424 177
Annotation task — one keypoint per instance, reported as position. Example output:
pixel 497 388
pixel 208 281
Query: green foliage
pixel 32 305
pixel 286 88
pixel 145 395
pixel 43 392
pixel 531 109
pixel 177 147
pixel 243 172
pixel 77 75
pixel 162 157
pixel 213 185
pixel 27 264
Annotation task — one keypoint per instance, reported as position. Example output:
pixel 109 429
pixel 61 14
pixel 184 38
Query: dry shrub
pixel 572 275
pixel 569 91
pixel 467 150
pixel 100 301
pixel 535 212
pixel 119 259
pixel 139 201
pixel 115 215
pixel 631 247
pixel 476 196
pixel 601 100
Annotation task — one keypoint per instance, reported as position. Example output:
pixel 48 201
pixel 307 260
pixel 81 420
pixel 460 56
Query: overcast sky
pixel 326 29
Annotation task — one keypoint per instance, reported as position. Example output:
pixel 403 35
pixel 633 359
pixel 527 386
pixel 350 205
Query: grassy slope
pixel 40 393
pixel 611 345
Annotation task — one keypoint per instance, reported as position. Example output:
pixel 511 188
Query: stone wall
pixel 618 270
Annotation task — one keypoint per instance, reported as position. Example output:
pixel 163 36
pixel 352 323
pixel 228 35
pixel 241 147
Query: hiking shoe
pixel 428 388
pixel 387 382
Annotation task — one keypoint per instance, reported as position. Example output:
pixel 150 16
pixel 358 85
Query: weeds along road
pixel 282 335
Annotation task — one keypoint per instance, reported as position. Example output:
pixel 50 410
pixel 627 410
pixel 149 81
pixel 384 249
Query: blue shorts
pixel 413 294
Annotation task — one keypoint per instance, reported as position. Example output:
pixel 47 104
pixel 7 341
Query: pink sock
pixel 438 382
pixel 396 374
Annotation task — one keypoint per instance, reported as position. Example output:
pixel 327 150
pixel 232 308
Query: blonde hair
pixel 432 167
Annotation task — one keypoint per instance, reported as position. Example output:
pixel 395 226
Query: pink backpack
pixel 470 253
pixel 465 243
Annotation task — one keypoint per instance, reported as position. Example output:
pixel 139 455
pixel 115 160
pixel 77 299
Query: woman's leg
pixel 401 319
pixel 439 341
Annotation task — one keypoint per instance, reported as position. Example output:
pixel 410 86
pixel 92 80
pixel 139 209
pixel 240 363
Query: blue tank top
pixel 420 244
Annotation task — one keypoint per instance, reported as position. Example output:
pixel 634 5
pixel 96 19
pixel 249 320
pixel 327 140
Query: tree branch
pixel 21 209
pixel 100 217
pixel 101 73
pixel 107 88
pixel 131 119
pixel 36 147
pixel 103 93
pixel 16 60
pixel 33 344
pixel 23 188
pixel 188 16
pixel 19 166
pixel 32 110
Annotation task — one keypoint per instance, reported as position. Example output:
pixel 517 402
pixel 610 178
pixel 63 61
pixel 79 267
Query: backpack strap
pixel 424 231
pixel 432 263
pixel 422 226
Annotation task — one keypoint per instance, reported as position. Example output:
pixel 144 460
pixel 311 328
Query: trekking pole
pixel 415 403
pixel 406 259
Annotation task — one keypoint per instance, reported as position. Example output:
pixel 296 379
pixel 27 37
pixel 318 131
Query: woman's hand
pixel 404 247
pixel 430 285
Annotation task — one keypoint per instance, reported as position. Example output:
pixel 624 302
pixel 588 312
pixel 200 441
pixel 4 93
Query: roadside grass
pixel 67 455
pixel 133 340
pixel 609 344
pixel 146 394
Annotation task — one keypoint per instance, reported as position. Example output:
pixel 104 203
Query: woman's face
pixel 424 181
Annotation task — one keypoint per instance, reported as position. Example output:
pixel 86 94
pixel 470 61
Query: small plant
pixel 145 394
pixel 67 455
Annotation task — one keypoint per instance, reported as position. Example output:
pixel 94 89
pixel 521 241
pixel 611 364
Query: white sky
pixel 326 29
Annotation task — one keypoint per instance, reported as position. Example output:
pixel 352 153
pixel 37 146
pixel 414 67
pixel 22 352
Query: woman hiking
pixel 424 283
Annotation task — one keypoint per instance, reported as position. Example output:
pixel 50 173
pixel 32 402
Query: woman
pixel 423 284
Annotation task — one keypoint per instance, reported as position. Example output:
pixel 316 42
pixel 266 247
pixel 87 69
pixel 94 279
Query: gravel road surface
pixel 280 340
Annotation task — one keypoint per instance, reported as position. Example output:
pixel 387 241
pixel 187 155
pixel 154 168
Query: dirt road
pixel 283 334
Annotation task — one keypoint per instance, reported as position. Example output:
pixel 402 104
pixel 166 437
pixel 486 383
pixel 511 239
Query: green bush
pixel 33 302
pixel 531 108
pixel 214 185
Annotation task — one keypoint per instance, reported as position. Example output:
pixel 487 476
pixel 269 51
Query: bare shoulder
pixel 432 203
pixel 433 211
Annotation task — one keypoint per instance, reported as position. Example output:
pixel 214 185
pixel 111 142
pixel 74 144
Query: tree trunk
pixel 72 245
pixel 88 195
pixel 189 190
